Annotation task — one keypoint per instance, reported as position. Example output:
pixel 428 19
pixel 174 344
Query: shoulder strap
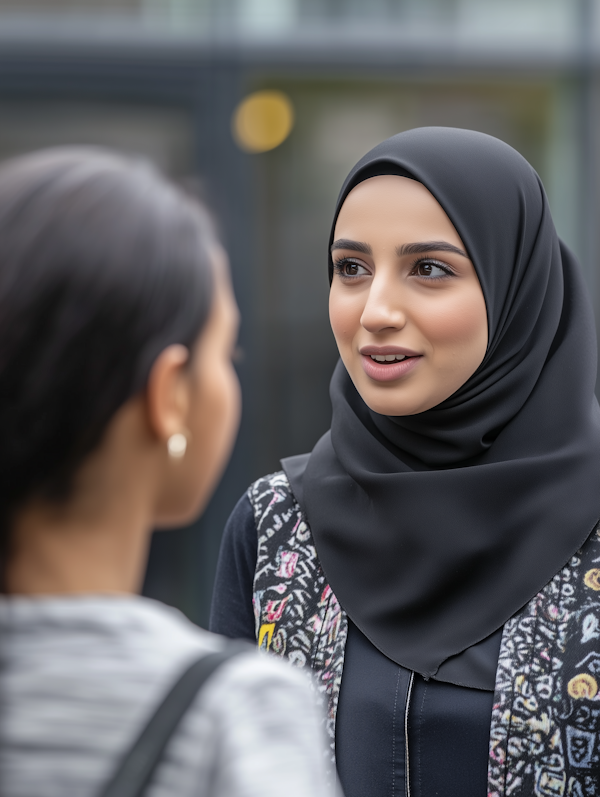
pixel 137 766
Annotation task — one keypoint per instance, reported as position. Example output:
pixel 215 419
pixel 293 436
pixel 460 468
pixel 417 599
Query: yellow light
pixel 262 121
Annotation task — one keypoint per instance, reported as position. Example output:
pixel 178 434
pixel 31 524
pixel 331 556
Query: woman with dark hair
pixel 434 560
pixel 118 408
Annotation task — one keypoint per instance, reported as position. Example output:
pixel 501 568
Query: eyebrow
pixel 418 248
pixel 428 246
pixel 353 246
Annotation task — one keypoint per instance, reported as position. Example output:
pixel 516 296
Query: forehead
pixel 388 206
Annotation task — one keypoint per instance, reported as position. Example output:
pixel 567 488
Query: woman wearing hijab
pixel 434 559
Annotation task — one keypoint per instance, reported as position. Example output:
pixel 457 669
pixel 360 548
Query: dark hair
pixel 103 263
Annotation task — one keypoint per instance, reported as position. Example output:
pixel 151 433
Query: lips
pixel 388 366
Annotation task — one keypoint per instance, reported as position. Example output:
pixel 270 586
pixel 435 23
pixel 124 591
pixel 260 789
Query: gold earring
pixel 177 445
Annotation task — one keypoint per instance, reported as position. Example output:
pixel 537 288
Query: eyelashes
pixel 342 263
pixel 429 263
pixel 421 264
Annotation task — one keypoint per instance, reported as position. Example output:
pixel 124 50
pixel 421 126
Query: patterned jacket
pixel 545 725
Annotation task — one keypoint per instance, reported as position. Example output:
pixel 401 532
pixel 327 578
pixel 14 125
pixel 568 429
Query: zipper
pixel 406 710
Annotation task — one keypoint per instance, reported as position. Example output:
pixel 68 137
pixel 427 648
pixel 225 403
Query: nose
pixel 384 307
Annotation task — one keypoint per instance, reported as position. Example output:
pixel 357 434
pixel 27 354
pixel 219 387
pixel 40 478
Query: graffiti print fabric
pixel 296 613
pixel 545 724
pixel 545 732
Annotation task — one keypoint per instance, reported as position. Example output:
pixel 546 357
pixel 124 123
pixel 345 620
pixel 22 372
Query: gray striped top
pixel 79 676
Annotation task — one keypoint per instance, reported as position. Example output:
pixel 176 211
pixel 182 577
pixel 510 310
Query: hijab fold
pixel 434 529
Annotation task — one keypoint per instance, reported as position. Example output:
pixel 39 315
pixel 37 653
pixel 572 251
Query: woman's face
pixel 406 307
pixel 213 408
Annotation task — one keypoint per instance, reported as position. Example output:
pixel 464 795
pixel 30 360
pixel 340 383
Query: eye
pixel 431 269
pixel 347 269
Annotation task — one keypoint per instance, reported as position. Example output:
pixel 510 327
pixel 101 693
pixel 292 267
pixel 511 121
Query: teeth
pixel 388 358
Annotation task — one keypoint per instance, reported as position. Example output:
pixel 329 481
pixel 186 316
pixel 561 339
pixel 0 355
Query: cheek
pixel 344 315
pixel 217 416
pixel 234 401
pixel 460 320
pixel 223 398
pixel 460 324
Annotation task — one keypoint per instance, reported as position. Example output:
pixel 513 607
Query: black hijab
pixel 434 529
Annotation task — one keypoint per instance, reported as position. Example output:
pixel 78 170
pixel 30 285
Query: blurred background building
pixel 267 104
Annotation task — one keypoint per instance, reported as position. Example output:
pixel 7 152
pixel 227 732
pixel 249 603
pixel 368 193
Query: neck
pixel 97 540
pixel 54 554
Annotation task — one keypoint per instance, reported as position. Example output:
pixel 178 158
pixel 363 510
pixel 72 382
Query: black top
pixel 448 726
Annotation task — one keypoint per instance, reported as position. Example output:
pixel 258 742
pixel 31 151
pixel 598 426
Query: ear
pixel 168 392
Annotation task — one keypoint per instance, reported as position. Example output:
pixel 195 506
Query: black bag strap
pixel 137 766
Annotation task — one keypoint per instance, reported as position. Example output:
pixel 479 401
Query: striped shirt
pixel 80 676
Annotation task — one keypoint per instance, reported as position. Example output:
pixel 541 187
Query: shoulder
pixel 254 690
pixel 231 608
pixel 266 724
pixel 126 626
pixel 271 495
pixel 266 517
pixel 252 679
pixel 240 523
pixel 272 484
pixel 264 496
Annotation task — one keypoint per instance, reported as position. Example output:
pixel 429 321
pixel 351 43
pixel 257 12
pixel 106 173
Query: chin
pixel 387 406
